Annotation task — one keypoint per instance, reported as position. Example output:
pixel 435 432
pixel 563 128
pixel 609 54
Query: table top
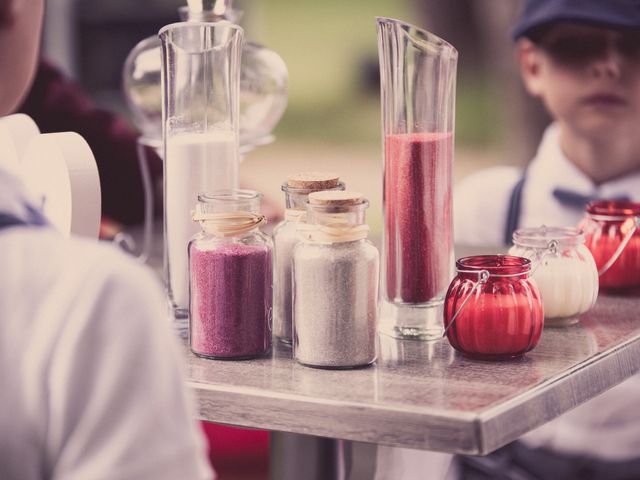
pixel 425 395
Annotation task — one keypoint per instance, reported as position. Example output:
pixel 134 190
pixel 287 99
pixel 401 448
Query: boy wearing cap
pixel 582 59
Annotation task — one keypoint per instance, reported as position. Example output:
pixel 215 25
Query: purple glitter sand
pixel 231 295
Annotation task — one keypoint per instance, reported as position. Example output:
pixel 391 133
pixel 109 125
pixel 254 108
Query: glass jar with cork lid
pixel 335 273
pixel 285 237
pixel 230 294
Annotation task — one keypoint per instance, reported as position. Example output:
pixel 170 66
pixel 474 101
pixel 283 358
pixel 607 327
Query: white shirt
pixel 607 426
pixel 91 386
pixel 481 200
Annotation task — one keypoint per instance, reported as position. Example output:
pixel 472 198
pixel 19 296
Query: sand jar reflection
pixel 230 277
pixel 492 309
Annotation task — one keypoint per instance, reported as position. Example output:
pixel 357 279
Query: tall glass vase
pixel 418 79
pixel 200 96
pixel 263 80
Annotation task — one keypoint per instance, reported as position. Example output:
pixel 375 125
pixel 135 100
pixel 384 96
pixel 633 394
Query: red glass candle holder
pixel 492 309
pixel 613 237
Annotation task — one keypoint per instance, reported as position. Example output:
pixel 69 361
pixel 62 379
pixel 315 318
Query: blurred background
pixel 332 121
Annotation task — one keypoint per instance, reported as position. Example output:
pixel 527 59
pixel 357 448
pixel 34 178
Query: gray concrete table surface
pixel 425 395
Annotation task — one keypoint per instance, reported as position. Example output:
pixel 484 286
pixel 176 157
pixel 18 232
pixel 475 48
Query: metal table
pixel 425 395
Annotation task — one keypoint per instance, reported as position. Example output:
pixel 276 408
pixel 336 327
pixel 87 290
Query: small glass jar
pixel 563 269
pixel 336 273
pixel 493 310
pixel 285 237
pixel 230 276
pixel 613 237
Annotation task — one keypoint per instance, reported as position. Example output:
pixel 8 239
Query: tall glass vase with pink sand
pixel 418 79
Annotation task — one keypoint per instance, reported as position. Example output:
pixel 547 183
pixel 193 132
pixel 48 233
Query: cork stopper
pixel 336 198
pixel 313 180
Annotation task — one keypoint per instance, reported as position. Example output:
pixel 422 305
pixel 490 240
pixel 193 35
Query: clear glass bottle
pixel 492 309
pixel 263 98
pixel 563 268
pixel 263 80
pixel 285 237
pixel 200 95
pixel 230 277
pixel 612 231
pixel 418 80
pixel 336 273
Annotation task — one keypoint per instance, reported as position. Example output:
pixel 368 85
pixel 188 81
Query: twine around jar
pixel 228 224
pixel 337 232
pixel 621 247
pixel 295 215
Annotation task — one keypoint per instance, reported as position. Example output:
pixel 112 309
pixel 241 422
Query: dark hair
pixel 538 33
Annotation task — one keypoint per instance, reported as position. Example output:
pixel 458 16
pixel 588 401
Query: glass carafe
pixel 418 78
pixel 200 77
pixel 263 80
pixel 263 98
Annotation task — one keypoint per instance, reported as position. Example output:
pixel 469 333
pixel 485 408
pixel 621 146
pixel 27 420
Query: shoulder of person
pixel 116 281
pixel 481 202
pixel 83 256
pixel 104 323
pixel 113 267
pixel 82 275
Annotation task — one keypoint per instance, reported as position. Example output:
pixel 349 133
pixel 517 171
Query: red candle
pixel 418 241
pixel 503 316
pixel 607 224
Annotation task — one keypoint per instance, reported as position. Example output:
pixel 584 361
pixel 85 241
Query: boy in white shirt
pixel 582 59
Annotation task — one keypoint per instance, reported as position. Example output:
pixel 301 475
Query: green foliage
pixel 326 45
pixel 477 113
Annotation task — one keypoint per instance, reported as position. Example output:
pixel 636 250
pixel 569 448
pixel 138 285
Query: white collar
pixel 550 169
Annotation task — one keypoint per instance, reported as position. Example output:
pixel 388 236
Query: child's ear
pixel 529 60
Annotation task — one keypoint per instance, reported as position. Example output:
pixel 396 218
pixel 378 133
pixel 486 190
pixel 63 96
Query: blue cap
pixel 617 14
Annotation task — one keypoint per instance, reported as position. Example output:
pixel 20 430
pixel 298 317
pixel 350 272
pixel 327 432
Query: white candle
pixel 567 280
pixel 195 163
